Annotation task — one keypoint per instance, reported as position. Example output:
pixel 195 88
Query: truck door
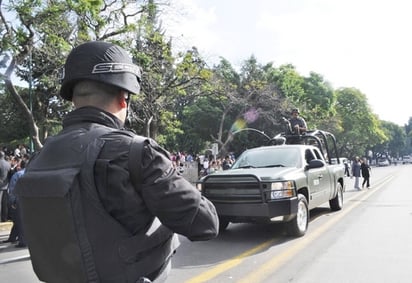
pixel 318 180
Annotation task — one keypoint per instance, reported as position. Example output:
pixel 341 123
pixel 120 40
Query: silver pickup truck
pixel 280 182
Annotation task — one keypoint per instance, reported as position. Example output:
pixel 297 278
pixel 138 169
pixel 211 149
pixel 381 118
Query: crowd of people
pixel 206 164
pixel 210 164
pixel 12 167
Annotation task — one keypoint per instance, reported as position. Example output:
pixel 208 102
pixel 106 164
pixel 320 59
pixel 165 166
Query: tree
pixel 408 131
pixel 264 105
pixel 35 41
pixel 239 101
pixel 361 129
pixel 212 111
pixel 320 100
pixel 395 146
pixel 12 125
pixel 289 83
pixel 169 83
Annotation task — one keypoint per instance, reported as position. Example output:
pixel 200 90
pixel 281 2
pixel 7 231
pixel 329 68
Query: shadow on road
pixel 236 240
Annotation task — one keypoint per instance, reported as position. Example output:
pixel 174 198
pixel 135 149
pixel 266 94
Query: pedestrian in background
pixel 4 181
pixel 365 169
pixel 356 172
pixel 14 167
pixel 227 163
pixel 346 164
pixel 99 203
pixel 17 232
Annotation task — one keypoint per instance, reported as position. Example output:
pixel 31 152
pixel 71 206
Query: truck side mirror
pixel 315 163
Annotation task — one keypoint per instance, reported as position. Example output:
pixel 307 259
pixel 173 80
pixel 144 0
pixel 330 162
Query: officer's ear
pixel 123 98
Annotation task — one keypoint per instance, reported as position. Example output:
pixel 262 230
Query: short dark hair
pixel 98 93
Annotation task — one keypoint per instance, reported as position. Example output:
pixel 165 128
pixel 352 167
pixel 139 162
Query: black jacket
pixel 163 193
pixel 128 210
pixel 365 169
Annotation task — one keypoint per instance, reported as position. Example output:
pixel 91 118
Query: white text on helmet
pixel 103 68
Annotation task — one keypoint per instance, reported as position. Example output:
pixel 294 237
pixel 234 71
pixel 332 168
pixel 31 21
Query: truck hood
pixel 282 173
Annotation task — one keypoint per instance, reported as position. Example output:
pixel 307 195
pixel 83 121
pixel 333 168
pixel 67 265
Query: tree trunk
pixel 34 130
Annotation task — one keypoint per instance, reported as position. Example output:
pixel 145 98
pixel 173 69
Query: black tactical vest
pixel 71 237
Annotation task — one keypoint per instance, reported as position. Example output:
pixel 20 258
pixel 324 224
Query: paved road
pixel 368 241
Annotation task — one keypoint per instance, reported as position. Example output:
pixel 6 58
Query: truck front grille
pixel 243 189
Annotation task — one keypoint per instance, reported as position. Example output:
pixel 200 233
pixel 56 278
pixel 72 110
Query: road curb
pixel 5 226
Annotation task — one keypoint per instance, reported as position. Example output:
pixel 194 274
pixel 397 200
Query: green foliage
pixel 289 83
pixel 170 129
pixel 361 130
pixel 169 83
pixel 197 125
pixel 395 146
pixel 320 97
pixel 38 41
pixel 184 104
pixel 13 125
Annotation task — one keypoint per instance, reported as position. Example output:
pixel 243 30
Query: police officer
pixel 297 123
pixel 99 203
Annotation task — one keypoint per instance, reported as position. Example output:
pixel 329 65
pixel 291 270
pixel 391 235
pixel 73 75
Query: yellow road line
pixel 211 273
pixel 269 267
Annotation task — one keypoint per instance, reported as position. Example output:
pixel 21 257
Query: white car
pixel 383 162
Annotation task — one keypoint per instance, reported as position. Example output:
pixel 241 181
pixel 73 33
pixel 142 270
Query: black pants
pixel 4 212
pixel 16 232
pixel 366 181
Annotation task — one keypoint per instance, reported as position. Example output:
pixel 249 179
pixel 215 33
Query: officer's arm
pixel 174 200
pixel 303 127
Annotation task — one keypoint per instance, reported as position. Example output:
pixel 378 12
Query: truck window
pixel 318 154
pixel 309 156
pixel 257 158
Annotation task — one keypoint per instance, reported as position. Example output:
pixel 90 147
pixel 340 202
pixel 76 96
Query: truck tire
pixel 298 226
pixel 337 202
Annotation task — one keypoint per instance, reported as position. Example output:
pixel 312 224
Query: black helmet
pixel 100 61
pixel 295 110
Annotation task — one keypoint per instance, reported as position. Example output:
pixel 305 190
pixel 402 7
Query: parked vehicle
pixel 342 160
pixel 383 162
pixel 407 159
pixel 280 182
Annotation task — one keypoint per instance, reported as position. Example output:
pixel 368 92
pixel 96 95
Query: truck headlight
pixel 279 190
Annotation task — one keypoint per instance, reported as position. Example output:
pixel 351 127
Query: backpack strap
pixel 135 159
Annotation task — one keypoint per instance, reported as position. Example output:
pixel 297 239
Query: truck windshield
pixel 268 157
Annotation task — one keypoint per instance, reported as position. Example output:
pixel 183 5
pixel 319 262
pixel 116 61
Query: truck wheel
pixel 337 202
pixel 299 224
pixel 223 223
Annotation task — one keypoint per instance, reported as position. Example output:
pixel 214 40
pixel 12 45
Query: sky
pixel 364 44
